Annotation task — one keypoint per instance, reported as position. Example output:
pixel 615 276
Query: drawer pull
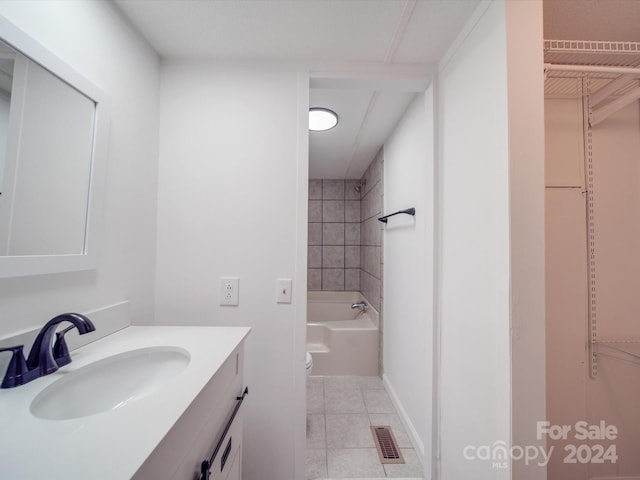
pixel 205 466
pixel 225 455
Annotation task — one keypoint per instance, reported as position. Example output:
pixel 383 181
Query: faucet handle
pixel 60 350
pixel 17 372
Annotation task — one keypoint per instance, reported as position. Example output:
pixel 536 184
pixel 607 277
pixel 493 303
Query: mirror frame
pixel 15 266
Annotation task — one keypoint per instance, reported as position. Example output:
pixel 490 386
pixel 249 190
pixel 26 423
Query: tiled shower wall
pixel 345 237
pixel 371 230
pixel 371 238
pixel 334 235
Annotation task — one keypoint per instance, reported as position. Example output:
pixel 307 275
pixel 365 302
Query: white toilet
pixel 309 363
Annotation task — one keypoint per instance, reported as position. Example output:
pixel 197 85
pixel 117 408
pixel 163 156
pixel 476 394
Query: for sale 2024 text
pixel 581 432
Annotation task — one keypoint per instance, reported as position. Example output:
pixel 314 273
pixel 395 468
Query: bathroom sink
pixel 110 383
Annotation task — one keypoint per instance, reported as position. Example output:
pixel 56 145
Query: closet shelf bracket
pixel 597 115
pixel 628 352
pixel 612 87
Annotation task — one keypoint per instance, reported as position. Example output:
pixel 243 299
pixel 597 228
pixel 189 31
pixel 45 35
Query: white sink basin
pixel 110 383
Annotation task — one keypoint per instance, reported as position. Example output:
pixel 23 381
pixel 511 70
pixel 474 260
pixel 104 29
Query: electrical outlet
pixel 229 290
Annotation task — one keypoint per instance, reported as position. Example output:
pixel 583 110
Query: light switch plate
pixel 283 294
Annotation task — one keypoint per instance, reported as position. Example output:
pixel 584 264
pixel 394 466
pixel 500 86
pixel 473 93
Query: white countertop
pixel 114 444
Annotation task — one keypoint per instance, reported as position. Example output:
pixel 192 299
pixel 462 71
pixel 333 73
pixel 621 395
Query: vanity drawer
pixel 226 465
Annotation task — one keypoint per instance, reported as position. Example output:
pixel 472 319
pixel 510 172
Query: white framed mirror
pixel 53 141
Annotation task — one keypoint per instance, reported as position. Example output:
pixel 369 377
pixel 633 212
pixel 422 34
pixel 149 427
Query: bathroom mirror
pixel 53 136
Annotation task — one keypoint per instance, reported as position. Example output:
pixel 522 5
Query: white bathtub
pixel 341 340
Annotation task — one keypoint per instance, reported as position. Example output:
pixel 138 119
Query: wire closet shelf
pixel 602 62
pixel 606 75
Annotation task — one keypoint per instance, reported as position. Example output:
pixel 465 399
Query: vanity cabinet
pixel 200 429
pixel 153 418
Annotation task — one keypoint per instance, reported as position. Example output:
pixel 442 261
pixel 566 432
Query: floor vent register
pixel 386 445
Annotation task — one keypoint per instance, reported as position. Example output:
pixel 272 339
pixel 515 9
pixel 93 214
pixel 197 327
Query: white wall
pixel 232 202
pixel 490 204
pixel 93 39
pixel 408 274
pixel 474 364
pixel 526 192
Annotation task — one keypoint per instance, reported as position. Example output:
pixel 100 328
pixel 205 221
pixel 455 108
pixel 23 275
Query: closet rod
pixel 592 69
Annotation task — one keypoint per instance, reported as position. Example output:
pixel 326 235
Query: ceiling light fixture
pixel 321 119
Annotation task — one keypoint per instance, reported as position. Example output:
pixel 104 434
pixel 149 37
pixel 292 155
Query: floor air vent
pixel 388 450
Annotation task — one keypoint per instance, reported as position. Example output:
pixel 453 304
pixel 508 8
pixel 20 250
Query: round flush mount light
pixel 321 119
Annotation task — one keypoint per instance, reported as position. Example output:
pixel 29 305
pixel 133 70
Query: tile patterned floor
pixel 340 411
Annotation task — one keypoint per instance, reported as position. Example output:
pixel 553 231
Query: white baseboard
pixel 418 446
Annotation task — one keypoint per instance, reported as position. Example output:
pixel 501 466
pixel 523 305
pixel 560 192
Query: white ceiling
pixel 402 31
pixel 391 44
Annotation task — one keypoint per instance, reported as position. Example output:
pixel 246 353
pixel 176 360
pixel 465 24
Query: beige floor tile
pixel 315 396
pixel 340 412
pixel 371 383
pixel 378 401
pixel 316 431
pixel 349 431
pixel 316 463
pixel 341 383
pixel 315 382
pixel 344 401
pixel 411 468
pixel 354 462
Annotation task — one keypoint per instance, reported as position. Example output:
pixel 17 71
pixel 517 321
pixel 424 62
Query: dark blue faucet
pixel 43 358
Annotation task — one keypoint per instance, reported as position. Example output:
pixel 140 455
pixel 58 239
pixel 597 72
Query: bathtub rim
pixel 341 297
pixel 326 296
